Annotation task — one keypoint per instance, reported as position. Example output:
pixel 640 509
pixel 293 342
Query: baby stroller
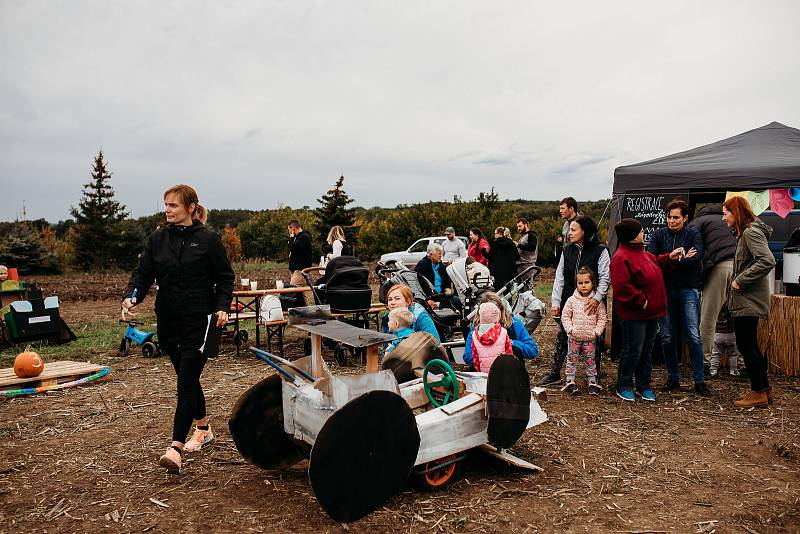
pixel 344 286
pixel 471 279
pixel 392 273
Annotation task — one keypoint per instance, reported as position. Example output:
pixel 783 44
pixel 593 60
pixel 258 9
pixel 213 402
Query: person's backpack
pixel 270 309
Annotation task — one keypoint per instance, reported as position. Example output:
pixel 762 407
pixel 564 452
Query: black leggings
pixel 181 338
pixel 188 365
pixel 746 329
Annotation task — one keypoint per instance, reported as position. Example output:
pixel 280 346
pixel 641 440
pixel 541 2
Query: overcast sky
pixel 261 103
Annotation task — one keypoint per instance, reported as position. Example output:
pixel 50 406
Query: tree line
pixel 102 236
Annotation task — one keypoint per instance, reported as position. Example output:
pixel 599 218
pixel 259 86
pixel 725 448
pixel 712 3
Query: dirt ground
pixel 85 459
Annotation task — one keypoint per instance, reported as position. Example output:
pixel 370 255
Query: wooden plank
pixel 462 403
pixel 373 355
pixel 52 372
pixel 509 458
pixel 316 356
pixel 241 316
pixel 350 335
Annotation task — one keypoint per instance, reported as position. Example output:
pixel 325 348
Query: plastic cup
pixel 253 285
pixel 278 284
pixel 245 282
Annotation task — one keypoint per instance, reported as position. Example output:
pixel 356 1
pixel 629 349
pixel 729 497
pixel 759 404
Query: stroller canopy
pixel 345 272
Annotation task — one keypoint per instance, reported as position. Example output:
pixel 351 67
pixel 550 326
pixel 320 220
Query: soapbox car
pixel 366 435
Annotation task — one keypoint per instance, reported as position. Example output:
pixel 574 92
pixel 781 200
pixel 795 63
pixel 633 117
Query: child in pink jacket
pixel 582 331
pixel 490 339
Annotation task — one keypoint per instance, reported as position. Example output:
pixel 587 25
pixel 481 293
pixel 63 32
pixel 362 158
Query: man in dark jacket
pixel 679 251
pixel 719 245
pixel 300 255
pixel 432 268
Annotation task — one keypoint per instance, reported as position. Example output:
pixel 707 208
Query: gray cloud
pixel 259 103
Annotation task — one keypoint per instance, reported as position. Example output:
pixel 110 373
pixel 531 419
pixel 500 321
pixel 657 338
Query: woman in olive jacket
pixel 749 295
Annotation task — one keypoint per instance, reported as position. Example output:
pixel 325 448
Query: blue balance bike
pixel 146 340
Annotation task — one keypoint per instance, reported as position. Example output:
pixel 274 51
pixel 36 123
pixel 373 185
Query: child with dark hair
pixel 582 330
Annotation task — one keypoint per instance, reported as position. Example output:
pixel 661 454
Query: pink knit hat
pixel 489 313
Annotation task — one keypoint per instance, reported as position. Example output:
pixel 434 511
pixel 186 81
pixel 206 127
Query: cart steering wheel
pixel 448 381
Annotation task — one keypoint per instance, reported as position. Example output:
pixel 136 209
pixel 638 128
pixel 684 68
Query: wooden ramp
pixel 54 373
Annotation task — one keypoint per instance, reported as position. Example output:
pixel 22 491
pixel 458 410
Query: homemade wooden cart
pixel 365 435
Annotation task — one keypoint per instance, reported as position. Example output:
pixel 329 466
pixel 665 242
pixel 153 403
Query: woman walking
pixel 748 299
pixel 195 280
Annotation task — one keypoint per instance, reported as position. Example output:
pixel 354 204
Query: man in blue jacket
pixel 679 251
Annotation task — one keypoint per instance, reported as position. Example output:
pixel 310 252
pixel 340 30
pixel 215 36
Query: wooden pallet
pixel 54 373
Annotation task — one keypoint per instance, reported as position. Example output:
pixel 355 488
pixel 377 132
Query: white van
pixel 417 251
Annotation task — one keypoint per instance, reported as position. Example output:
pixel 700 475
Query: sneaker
pixel 734 372
pixel 626 395
pixel 171 461
pixel 702 389
pixel 647 395
pixel 713 373
pixel 671 385
pixel 571 389
pixel 595 389
pixel 199 438
pixel 550 379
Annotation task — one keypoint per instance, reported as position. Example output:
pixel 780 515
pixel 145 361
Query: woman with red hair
pixel 749 295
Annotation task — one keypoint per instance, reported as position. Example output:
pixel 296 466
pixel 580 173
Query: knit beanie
pixel 627 229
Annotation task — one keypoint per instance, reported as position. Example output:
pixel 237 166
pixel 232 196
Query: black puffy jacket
pixel 191 268
pixel 503 256
pixel 718 241
pixel 300 251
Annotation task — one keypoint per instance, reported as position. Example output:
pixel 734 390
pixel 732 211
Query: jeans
pixel 746 329
pixel 683 313
pixel 636 357
pixel 712 300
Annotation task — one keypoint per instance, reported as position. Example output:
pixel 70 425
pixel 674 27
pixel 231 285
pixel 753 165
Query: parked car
pixel 781 230
pixel 417 251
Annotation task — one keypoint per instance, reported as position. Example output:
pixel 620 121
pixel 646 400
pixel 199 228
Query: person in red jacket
pixel 640 298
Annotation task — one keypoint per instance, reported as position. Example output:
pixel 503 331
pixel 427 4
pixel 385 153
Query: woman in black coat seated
pixel 503 256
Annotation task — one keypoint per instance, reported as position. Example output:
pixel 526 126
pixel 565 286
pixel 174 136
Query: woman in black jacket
pixel 503 256
pixel 189 263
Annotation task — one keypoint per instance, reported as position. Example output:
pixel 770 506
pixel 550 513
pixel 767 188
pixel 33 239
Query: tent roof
pixel 764 158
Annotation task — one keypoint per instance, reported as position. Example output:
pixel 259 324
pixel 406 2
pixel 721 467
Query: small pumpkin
pixel 28 364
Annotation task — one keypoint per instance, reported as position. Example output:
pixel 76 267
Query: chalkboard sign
pixel 648 209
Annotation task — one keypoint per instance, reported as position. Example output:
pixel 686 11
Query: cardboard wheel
pixel 508 400
pixel 256 425
pixel 363 455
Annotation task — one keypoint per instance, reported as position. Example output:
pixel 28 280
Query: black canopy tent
pixel 764 158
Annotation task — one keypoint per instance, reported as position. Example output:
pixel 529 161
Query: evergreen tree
pixel 97 217
pixel 333 211
pixel 24 250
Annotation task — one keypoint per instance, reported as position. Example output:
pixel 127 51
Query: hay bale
pixel 778 337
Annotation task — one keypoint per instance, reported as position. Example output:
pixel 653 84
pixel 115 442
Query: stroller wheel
pixel 240 338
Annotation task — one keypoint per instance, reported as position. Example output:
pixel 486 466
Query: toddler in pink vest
pixel 489 339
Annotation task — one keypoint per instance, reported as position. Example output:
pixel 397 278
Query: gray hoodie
pixel 751 266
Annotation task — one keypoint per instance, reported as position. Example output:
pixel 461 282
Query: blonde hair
pixel 402 316
pixel 336 233
pixel 506 318
pixel 188 196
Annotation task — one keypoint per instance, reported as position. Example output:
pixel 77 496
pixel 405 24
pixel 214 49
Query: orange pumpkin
pixel 28 364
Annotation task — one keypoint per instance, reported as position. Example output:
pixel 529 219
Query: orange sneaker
pixel 171 461
pixel 199 438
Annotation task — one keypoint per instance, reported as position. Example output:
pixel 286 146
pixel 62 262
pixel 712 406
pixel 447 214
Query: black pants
pixel 181 339
pixel 746 329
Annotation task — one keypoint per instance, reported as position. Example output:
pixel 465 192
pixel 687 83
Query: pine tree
pixel 97 217
pixel 333 211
